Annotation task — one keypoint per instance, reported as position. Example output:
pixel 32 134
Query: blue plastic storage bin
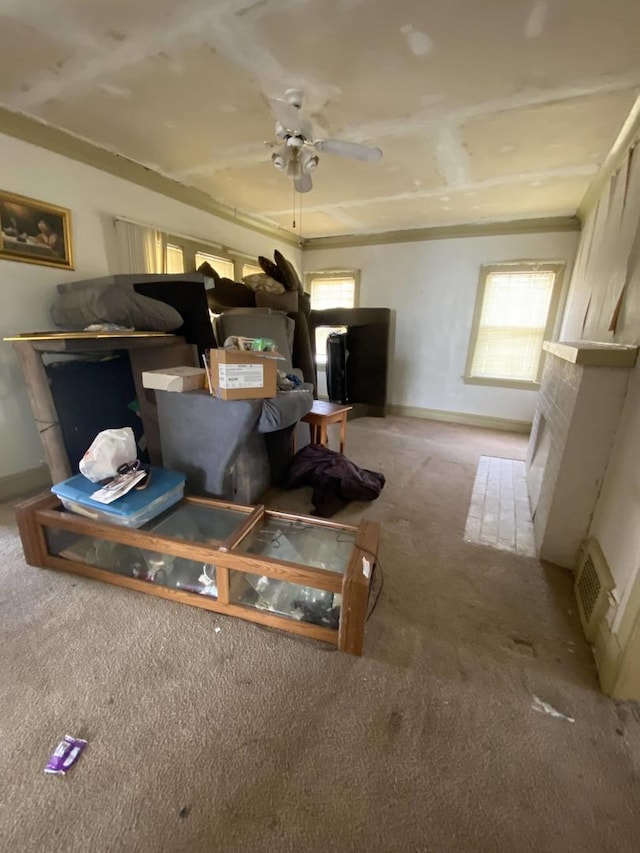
pixel 133 509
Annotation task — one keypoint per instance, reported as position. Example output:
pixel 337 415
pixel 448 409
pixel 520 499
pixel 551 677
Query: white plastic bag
pixel 109 449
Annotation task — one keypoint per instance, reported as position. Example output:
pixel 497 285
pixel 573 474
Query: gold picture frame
pixel 34 232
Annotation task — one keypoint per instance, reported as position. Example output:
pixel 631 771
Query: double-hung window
pixel 331 289
pixel 251 269
pixel 174 259
pixel 515 312
pixel 223 266
pixel 186 254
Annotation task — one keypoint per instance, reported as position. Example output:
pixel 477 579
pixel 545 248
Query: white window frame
pixel 329 275
pixel 212 258
pixel 557 267
pixel 333 274
pixel 192 245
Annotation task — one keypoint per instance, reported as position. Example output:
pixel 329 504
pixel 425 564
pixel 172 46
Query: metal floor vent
pixel 593 585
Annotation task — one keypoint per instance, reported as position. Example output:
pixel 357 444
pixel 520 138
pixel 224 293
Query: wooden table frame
pixel 147 351
pixel 321 415
pixel 34 516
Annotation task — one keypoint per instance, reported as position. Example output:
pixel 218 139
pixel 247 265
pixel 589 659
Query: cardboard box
pixel 175 379
pixel 243 375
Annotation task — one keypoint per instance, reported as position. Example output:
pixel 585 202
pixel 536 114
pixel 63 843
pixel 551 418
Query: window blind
pixel 223 266
pixel 512 324
pixel 332 292
pixel 251 269
pixel 174 259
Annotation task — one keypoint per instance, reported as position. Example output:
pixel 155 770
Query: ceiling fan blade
pixel 353 150
pixel 287 114
pixel 303 183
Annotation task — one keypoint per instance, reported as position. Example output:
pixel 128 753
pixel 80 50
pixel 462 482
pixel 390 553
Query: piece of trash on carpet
pixel 217 630
pixel 65 755
pixel 545 708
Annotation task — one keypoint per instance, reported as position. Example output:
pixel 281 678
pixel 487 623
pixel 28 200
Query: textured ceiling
pixel 487 110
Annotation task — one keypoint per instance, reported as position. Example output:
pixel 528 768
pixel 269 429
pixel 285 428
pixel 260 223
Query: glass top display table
pixel 303 575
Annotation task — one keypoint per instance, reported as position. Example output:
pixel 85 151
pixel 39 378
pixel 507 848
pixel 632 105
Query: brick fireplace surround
pixel 582 393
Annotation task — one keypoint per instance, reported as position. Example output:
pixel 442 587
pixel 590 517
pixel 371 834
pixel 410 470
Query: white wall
pixel 608 261
pixel 27 290
pixel 431 288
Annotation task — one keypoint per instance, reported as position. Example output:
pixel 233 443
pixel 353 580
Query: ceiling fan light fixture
pixel 310 162
pixel 297 156
pixel 293 168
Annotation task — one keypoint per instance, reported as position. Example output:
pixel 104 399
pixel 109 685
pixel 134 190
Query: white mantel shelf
pixel 593 353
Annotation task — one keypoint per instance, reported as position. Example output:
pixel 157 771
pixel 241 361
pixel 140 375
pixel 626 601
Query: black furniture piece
pixel 365 371
pixel 187 294
pixel 139 351
pixel 337 355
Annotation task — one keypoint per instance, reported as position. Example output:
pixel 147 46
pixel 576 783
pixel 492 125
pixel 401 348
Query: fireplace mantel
pixel 593 353
pixel 582 392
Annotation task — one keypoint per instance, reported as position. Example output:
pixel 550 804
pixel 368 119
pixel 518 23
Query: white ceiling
pixel 486 110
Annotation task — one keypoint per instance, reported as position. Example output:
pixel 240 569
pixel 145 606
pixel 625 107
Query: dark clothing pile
pixel 335 480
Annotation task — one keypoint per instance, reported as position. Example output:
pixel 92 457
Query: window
pixel 331 289
pixel 515 312
pixel 223 266
pixel 174 259
pixel 251 269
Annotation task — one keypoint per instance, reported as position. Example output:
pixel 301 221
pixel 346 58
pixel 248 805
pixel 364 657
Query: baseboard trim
pixel 608 657
pixel 13 485
pixel 466 418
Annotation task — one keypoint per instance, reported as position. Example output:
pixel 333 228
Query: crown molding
pixel 628 136
pixel 74 147
pixel 37 132
pixel 447 232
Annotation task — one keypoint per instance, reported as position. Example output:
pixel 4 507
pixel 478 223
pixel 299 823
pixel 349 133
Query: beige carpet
pixel 248 739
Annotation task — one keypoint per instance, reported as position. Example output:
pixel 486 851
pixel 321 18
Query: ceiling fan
pixel 297 149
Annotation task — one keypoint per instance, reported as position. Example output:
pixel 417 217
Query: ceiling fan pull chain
pixel 293 199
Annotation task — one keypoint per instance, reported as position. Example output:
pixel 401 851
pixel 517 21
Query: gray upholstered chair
pixel 258 323
pixel 236 449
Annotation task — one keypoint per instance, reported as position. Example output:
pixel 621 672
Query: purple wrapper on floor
pixel 65 755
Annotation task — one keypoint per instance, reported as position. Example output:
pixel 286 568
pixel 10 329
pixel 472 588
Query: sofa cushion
pixel 287 301
pixel 258 323
pixel 290 276
pixel 229 294
pixel 111 303
pixel 208 271
pixel 271 269
pixel 263 282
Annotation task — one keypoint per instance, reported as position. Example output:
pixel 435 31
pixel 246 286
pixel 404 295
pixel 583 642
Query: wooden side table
pixel 321 415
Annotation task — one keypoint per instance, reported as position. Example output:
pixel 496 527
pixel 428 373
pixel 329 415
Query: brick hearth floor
pixel 499 512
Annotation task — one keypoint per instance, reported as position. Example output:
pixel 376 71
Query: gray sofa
pixel 236 449
pixel 230 449
pixel 233 450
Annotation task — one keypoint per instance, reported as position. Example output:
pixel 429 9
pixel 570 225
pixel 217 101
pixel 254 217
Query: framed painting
pixel 34 232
